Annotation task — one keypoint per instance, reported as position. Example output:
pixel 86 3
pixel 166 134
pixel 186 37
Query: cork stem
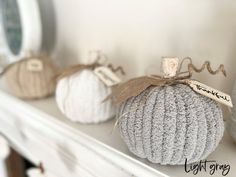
pixel 169 67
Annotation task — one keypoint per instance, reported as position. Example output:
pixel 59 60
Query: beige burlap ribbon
pixel 77 68
pixel 137 85
pixel 42 57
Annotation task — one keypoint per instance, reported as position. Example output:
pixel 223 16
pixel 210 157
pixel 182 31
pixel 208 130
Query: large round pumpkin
pixel 27 84
pixel 80 97
pixel 169 124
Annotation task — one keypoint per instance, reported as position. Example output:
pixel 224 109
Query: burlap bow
pixel 137 85
pixel 97 63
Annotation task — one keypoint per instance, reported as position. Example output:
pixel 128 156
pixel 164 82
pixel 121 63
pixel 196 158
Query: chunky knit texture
pixel 80 97
pixel 27 84
pixel 168 124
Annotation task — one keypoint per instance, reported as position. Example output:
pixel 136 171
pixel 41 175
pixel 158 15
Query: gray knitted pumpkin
pixel 168 124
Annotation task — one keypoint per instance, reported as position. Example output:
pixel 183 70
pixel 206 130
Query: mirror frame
pixel 31 30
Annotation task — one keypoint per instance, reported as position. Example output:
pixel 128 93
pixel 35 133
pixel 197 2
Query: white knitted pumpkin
pixel 79 97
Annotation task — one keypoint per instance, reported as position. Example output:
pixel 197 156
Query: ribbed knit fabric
pixel 80 97
pixel 27 84
pixel 168 124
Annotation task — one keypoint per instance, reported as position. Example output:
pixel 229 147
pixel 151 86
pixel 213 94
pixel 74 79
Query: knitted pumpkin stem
pixel 169 67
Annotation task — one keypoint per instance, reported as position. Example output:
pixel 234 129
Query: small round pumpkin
pixel 79 96
pixel 169 124
pixel 31 78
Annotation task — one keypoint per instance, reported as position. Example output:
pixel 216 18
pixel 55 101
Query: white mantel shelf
pixel 45 118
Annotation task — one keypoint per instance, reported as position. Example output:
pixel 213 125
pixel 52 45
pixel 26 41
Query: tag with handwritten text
pixel 212 93
pixel 35 65
pixel 108 77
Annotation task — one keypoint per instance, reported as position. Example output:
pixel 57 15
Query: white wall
pixel 136 33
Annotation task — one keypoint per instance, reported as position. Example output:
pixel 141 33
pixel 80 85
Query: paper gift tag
pixel 35 65
pixel 212 93
pixel 108 77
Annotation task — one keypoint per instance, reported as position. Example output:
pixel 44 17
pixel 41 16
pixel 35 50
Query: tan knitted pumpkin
pixel 31 78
